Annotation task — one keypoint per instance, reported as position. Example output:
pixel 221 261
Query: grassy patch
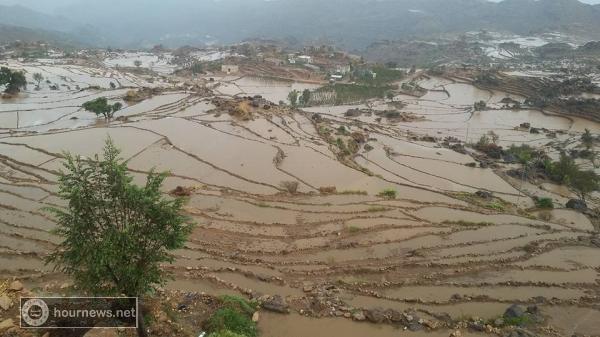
pixel 388 193
pixel 545 203
pixel 228 320
pixel 497 206
pixel 353 229
pixel 517 321
pixel 238 303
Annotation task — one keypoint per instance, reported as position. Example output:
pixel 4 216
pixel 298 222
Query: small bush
pixel 290 186
pixel 328 190
pixel 517 321
pixel 544 203
pixel 227 319
pixel 238 303
pixel 388 193
pixel 495 206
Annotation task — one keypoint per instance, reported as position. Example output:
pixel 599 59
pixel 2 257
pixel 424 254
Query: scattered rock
pixel 16 286
pixel 376 315
pixel 499 322
pixel 359 316
pixel 162 317
pixel 430 324
pixel 415 326
pixel 477 326
pixel 456 333
pixel 6 324
pixel 276 304
pixel 394 315
pixel 514 311
pixel 5 302
pixel 577 204
pixel 484 194
pixel 255 317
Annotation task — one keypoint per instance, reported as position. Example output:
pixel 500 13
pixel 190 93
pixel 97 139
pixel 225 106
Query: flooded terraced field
pixel 429 251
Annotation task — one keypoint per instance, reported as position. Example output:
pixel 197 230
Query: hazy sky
pixel 50 6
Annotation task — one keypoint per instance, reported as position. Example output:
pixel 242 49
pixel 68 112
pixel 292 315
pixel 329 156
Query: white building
pixel 304 59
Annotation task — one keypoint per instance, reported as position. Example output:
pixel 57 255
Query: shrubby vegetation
pixel 487 144
pixel 116 235
pixel 566 171
pixel 13 80
pixel 544 203
pixel 233 319
pixel 479 106
pixel 231 322
pixel 349 93
pixel 388 193
pixel 100 106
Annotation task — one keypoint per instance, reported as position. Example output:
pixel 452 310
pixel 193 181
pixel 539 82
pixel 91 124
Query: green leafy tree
pixel 13 80
pixel 100 106
pixel 293 97
pixel 305 98
pixel 583 183
pixel 563 170
pixel 115 234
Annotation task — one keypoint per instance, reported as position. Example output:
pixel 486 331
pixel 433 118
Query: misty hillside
pixel 348 23
pixel 10 34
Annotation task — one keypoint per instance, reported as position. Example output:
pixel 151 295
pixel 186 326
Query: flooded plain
pixel 431 248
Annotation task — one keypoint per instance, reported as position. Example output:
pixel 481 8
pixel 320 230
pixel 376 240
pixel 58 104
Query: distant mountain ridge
pixel 21 23
pixel 10 34
pixel 348 23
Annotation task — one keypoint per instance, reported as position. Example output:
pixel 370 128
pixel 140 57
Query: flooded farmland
pixel 335 246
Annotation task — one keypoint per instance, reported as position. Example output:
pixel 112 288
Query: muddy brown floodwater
pixel 431 251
